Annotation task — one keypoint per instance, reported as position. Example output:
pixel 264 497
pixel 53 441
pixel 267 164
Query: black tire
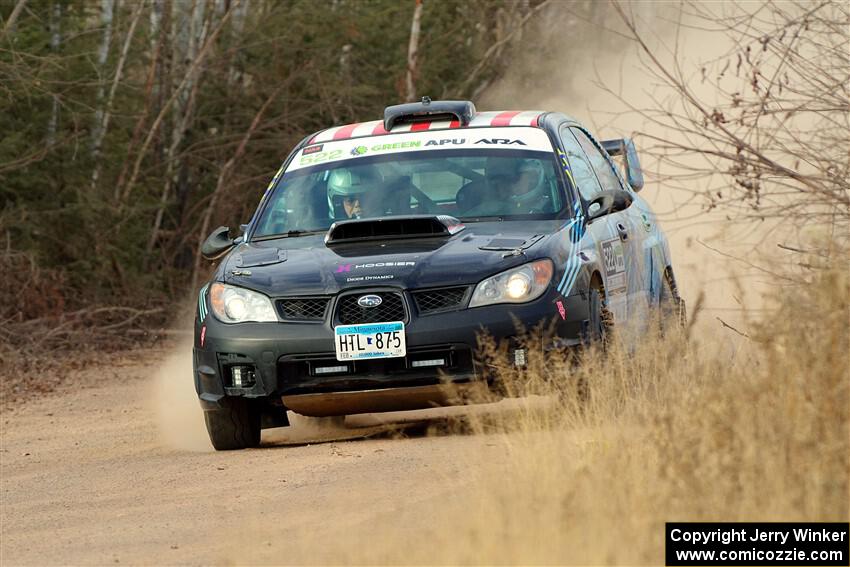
pixel 597 334
pixel 598 316
pixel 235 426
pixel 671 307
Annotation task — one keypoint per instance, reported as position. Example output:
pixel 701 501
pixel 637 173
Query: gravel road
pixel 115 467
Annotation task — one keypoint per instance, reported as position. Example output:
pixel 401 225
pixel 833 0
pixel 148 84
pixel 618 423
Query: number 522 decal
pixel 614 260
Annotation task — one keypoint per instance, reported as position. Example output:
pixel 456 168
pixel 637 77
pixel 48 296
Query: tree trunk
pixel 234 71
pixel 55 40
pixel 158 121
pixel 157 40
pixel 413 52
pixel 13 17
pixel 188 42
pixel 103 125
pixel 106 9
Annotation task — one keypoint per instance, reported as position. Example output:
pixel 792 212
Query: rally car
pixel 381 250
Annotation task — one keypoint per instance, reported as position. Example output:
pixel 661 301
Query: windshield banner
pixel 511 138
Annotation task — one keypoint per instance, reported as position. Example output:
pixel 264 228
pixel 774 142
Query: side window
pixel 582 171
pixel 601 164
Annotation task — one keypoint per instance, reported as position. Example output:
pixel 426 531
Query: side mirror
pixel 626 147
pixel 634 175
pixel 607 202
pixel 217 243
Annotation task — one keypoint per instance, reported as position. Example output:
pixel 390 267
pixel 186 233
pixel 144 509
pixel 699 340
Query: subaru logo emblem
pixel 370 301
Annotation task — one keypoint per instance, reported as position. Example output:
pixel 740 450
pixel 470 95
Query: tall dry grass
pixel 677 430
pixel 685 431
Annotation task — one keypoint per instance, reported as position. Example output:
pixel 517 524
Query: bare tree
pixel 104 114
pixel 157 42
pixel 515 18
pixel 777 126
pixel 224 176
pixel 9 25
pixel 188 44
pixel 188 76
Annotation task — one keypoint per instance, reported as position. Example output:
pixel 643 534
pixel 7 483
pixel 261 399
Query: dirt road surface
pixel 115 468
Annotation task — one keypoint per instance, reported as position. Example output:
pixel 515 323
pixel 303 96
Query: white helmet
pixel 343 182
pixel 536 191
pixel 513 172
pixel 347 183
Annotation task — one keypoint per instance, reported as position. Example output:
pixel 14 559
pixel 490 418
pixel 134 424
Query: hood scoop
pixel 260 257
pixel 503 244
pixel 392 228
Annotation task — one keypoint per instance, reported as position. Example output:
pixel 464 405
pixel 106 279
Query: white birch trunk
pixel 106 11
pixel 234 71
pixel 151 93
pixel 413 52
pixel 155 31
pixel 55 40
pixel 192 39
pixel 161 115
pixel 103 125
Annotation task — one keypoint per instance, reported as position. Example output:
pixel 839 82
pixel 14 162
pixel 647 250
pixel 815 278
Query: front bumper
pixel 286 356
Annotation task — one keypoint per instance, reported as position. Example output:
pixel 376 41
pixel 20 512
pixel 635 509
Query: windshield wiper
pixel 488 218
pixel 288 234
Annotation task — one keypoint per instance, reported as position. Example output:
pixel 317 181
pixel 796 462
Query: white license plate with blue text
pixel 370 340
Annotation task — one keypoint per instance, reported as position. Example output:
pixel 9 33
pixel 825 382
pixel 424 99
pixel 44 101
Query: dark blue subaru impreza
pixel 381 250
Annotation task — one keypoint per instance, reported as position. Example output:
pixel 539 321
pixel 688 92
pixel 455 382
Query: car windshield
pixel 470 183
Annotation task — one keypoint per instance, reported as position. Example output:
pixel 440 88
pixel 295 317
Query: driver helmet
pixel 346 184
pixel 524 177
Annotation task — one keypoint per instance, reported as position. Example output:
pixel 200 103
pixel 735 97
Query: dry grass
pixel 679 430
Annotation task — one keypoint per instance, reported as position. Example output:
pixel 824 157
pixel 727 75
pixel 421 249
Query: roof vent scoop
pixel 427 110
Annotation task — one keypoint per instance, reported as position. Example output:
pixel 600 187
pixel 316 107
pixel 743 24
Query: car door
pixel 629 227
pixel 610 247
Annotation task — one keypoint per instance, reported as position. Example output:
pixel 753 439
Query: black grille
pixel 390 309
pixel 436 300
pixel 303 308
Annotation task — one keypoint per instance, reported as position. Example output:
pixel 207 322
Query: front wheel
pixel 236 425
pixel 599 318
pixel 673 313
pixel 597 334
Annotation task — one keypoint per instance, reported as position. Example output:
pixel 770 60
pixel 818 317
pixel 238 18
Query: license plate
pixel 370 340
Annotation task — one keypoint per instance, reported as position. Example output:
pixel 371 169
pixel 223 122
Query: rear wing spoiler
pixel 626 148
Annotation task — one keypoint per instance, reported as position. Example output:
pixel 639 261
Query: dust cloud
pixel 600 78
pixel 179 418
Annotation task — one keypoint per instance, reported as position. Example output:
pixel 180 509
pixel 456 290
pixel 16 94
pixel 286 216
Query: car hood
pixel 304 265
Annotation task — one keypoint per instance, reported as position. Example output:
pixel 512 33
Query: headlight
pixel 237 305
pixel 517 285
